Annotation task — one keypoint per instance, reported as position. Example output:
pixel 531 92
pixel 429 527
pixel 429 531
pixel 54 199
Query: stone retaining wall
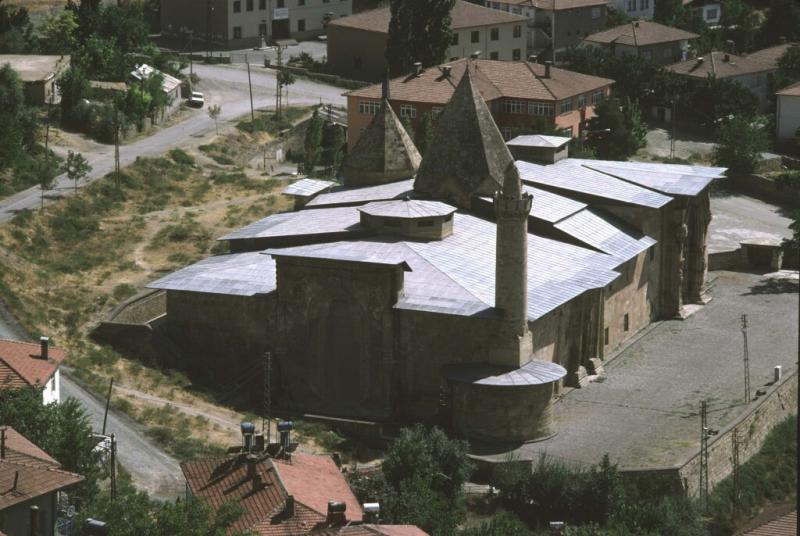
pixel 140 309
pixel 752 429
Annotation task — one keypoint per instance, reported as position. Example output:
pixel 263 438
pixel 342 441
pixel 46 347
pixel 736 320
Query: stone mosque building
pixel 463 287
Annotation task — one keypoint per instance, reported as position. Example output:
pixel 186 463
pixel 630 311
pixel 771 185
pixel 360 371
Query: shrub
pixel 123 291
pixel 181 157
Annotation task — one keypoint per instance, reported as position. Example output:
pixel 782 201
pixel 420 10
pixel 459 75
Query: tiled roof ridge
pixel 38 465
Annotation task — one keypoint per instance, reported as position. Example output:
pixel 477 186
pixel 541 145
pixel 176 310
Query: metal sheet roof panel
pixel 307 187
pixel 362 195
pixel 238 274
pixel 301 223
pixel 603 233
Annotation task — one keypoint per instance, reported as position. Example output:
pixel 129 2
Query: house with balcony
pixel 648 40
pixel 520 95
pixel 356 44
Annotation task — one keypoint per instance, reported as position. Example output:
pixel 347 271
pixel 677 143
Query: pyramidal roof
pixel 468 155
pixel 383 153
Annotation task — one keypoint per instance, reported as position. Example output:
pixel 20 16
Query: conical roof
pixel 468 155
pixel 384 152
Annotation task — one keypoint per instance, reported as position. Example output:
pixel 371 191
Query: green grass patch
pixel 181 157
pixel 123 291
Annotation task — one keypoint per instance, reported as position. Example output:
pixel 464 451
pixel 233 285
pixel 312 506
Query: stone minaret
pixel 512 207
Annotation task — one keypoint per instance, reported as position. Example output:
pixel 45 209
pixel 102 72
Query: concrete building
pixel 29 365
pixel 751 71
pixel 709 11
pixel 32 487
pixel 520 95
pixel 451 297
pixel 787 114
pixel 246 23
pixel 39 74
pixel 356 44
pixel 635 9
pixel 556 24
pixel 648 40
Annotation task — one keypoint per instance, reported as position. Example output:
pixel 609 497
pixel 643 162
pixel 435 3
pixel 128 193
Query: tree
pixel 742 139
pixel 668 12
pixel 617 131
pixel 333 142
pixel 616 18
pixel 62 430
pixel 313 143
pixel 419 31
pixel 739 22
pixel 426 472
pixel 788 68
pixel 76 167
pixel 719 98
pixel 285 79
pixel 73 87
pixel 57 33
pixel 18 123
pixel 423 135
pixel 213 112
pixel 783 20
pixel 16 31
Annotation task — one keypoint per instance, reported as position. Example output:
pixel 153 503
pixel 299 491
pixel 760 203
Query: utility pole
pixel 113 468
pixel 746 361
pixel 191 67
pixel 108 401
pixel 672 134
pixel 278 86
pixel 250 85
pixel 267 397
pixel 736 472
pixel 704 453
pixel 116 148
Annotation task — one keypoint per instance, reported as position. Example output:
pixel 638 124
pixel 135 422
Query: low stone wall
pixel 725 260
pixel 765 188
pixel 140 309
pixel 752 429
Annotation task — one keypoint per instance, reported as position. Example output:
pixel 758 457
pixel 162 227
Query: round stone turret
pixel 413 218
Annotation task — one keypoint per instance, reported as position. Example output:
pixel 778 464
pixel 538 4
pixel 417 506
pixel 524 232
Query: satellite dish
pixel 71 511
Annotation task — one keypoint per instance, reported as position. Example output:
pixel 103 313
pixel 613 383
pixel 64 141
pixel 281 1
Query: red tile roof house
pixel 517 93
pixel 29 477
pixel 284 498
pixel 25 364
pixel 752 71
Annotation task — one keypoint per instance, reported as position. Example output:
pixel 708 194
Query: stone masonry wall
pixel 778 403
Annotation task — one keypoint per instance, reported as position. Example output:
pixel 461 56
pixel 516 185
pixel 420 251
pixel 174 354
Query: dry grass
pixel 64 268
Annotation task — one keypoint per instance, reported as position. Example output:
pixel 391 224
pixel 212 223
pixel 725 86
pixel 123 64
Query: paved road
pixel 225 85
pixel 152 469
pixel 737 217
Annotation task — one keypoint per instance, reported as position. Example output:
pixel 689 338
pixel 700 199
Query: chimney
pixel 258 482
pixel 289 508
pixel 336 513
pixel 700 60
pixel 3 443
pixel 730 46
pixel 532 58
pixel 417 68
pixel 45 345
pixel 446 70
pixel 475 55
pixel 252 463
pixel 547 65
pixel 782 40
pixel 16 481
pixel 726 58
pixel 636 24
pixel 35 520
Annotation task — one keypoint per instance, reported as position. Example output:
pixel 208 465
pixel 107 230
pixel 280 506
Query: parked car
pixel 196 100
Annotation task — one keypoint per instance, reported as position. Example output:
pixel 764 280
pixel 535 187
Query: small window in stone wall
pixel 425 223
pixel 449 217
pixel 605 336
pixel 652 252
pixel 626 324
pixel 391 223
